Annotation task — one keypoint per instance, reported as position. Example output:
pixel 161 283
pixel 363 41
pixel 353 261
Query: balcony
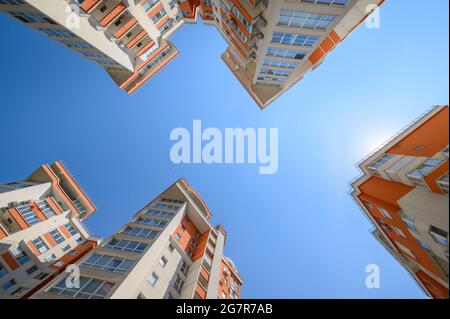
pixel 79 206
pixel 418 175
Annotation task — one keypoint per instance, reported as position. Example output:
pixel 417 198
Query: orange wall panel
pixel 51 202
pixel 316 56
pixel 3 233
pixel 433 135
pixel 38 212
pixel 18 218
pixel 387 191
pixel 33 248
pixel 10 260
pixel 50 239
pixel 64 231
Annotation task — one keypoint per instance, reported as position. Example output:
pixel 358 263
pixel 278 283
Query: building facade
pixel 41 223
pixel 169 249
pixel 127 38
pixel 272 43
pixel 404 193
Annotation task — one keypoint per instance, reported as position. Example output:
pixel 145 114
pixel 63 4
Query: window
pixel 409 221
pixel 3 271
pixel 151 222
pixel 242 19
pixel 168 295
pixel 177 237
pixel 149 4
pixel 424 169
pixel 114 264
pixel 45 208
pixel 305 20
pixel 425 245
pixel 159 213
pixel 20 256
pixel 158 15
pixel 269 78
pixel 40 245
pixel 19 292
pixel 17 185
pixel 184 269
pixel 233 294
pixel 57 236
pixel 234 283
pixel 139 232
pixel 77 44
pixel 163 261
pixel 178 283
pixel 439 235
pixel 50 257
pixel 127 245
pixel 406 250
pixel 443 183
pixel 41 276
pixel 12 2
pixel 445 152
pixel 294 39
pixel 385 212
pixel 71 229
pixel 28 214
pixel 31 270
pixel 153 279
pixel 379 162
pixel 32 17
pixel 66 248
pixel 171 248
pixel 280 64
pixel 329 2
pixel 399 232
pixel 89 288
pixel 275 72
pixel 8 284
pixel 62 33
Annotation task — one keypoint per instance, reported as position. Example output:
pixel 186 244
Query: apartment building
pixel 272 44
pixel 129 39
pixel 41 224
pixel 404 192
pixel 169 249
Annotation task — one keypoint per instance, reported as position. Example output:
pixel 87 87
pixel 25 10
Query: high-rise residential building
pixel 169 249
pixel 127 38
pixel 404 192
pixel 41 229
pixel 272 44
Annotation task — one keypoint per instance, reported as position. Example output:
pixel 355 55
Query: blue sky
pixel 294 234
